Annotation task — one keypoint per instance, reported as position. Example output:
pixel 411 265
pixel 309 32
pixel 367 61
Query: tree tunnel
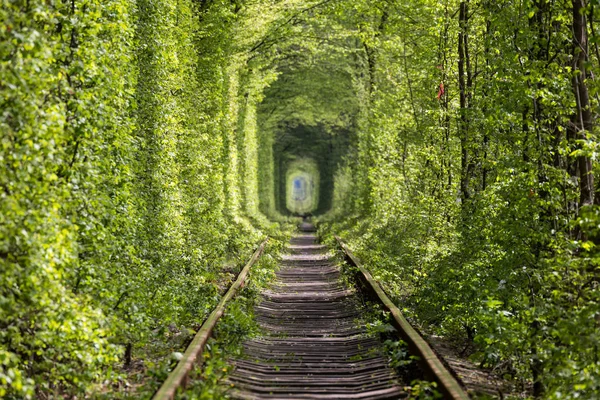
pixel 307 118
pixel 148 146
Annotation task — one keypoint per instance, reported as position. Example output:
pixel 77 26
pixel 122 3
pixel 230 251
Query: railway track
pixel 315 344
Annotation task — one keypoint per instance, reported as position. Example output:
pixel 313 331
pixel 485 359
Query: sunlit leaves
pixel 503 269
pixel 112 215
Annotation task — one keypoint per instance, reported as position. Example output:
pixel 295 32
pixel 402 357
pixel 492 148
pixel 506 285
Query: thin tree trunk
pixel 463 96
pixel 584 120
pixel 486 137
pixel 371 52
pixel 447 151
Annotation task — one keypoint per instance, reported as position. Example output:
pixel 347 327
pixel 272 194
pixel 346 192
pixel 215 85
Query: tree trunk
pixel 463 96
pixel 371 52
pixel 583 121
pixel 127 357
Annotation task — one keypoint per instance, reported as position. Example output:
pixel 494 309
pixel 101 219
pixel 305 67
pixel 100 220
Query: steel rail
pixel 178 377
pixel 433 367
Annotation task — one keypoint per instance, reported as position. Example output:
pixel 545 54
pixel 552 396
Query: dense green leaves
pixel 65 124
pixel 117 217
pixel 469 205
pixel 145 143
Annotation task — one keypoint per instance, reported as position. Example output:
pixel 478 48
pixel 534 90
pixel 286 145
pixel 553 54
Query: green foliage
pixel 470 212
pixel 398 353
pixel 146 144
pixel 117 220
pixel 424 390
pixel 67 133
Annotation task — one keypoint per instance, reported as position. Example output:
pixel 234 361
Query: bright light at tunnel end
pixel 302 186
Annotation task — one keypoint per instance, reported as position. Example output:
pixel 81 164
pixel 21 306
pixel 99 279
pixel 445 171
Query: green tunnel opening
pixel 302 186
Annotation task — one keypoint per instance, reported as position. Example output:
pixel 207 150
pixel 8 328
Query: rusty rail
pixel 433 367
pixel 178 377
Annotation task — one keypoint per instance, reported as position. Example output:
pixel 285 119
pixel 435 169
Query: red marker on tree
pixel 441 91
